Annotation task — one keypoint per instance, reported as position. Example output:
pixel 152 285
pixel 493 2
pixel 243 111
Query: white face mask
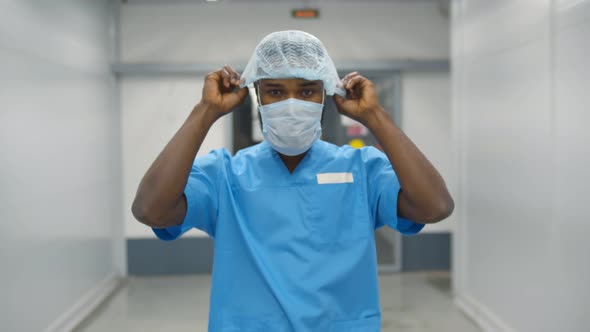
pixel 291 126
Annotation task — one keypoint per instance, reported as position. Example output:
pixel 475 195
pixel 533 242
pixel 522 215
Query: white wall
pixel 59 149
pixel 520 113
pixel 426 119
pixel 227 32
pixel 181 32
pixel 154 109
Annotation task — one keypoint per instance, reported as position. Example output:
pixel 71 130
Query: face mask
pixel 291 126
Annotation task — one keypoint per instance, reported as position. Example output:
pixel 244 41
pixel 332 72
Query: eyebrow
pixel 273 85
pixel 309 84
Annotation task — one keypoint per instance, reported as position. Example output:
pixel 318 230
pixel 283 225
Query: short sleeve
pixel 202 196
pixel 383 191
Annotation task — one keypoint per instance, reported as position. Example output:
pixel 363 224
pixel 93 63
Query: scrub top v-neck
pixel 293 251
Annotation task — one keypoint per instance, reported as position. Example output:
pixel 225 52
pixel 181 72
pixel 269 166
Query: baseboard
pixel 481 315
pixel 84 307
pixel 187 255
pixel 194 255
pixel 426 251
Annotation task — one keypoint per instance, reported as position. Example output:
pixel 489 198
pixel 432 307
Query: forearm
pixel 423 187
pixel 161 188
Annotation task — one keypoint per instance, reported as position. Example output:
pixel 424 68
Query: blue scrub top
pixel 293 251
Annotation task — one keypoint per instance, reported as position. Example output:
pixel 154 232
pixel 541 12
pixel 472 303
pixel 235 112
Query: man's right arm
pixel 160 201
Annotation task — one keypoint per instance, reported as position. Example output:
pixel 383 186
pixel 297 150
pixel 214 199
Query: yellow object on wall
pixel 356 143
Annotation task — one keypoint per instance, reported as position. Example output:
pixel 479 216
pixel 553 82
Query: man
pixel 293 217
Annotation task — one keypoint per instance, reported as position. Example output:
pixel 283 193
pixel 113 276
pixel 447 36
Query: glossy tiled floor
pixel 410 302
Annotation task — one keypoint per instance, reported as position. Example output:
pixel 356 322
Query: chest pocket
pixel 337 213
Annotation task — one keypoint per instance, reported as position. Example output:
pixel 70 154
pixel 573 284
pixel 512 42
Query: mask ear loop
pixel 257 87
pixel 323 105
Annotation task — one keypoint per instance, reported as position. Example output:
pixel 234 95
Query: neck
pixel 292 161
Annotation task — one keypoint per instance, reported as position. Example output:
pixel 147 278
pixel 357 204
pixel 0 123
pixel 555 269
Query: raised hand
pixel 221 91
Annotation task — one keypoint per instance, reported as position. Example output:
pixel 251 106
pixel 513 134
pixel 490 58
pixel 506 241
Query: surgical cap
pixel 292 54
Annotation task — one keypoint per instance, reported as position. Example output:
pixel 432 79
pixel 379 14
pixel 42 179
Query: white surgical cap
pixel 292 54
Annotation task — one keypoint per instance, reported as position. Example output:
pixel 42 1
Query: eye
pixel 274 92
pixel 307 92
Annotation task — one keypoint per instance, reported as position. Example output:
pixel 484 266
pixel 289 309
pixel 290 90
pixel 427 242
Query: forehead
pixel 290 82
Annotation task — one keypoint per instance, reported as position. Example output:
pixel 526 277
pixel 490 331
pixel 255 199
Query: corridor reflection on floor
pixel 410 302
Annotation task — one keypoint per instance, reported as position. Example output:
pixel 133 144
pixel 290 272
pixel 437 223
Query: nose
pixel 291 94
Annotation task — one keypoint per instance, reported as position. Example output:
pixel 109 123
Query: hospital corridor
pixel 294 165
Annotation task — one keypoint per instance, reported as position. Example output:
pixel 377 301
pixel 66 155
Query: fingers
pixel 226 77
pixel 353 84
pixel 233 99
pixel 243 92
pixel 338 100
pixel 348 77
pixel 231 77
pixel 354 73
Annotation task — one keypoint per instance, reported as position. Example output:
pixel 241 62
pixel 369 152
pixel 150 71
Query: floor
pixel 410 302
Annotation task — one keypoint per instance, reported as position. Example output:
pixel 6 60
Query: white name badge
pixel 328 178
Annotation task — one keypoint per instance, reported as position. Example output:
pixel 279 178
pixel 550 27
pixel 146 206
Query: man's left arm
pixel 424 197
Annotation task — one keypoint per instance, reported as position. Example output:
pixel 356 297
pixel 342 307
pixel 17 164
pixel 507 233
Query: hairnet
pixel 292 54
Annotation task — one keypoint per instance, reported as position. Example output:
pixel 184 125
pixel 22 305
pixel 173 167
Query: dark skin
pixel 160 202
pixel 424 197
pixel 272 91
